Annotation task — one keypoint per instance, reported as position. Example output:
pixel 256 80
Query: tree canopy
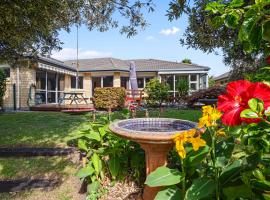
pixel 215 26
pixel 33 26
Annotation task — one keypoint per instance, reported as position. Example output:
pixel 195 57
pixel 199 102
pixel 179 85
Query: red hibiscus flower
pixel 236 100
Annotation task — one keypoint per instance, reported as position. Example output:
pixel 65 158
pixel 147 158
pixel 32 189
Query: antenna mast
pixel 77 66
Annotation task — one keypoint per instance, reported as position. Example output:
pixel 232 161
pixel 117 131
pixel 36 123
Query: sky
pixel 160 40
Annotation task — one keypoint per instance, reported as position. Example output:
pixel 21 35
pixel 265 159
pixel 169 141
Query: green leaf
pixel 230 172
pixel 232 19
pixel 236 192
pixel 86 171
pixel 248 113
pixel 266 196
pixel 93 187
pixel 236 3
pixel 256 105
pixel 163 176
pixel 196 157
pixel 97 163
pixel 82 145
pixel 266 30
pixel 201 188
pixel 214 7
pixel 169 193
pixel 258 174
pixel 247 26
pixel 217 21
pixel 261 185
pixel 114 166
pixel 93 135
pixel 102 131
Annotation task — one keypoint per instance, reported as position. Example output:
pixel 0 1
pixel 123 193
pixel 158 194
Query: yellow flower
pixel 197 142
pixel 207 110
pixel 210 116
pixel 187 137
pixel 221 132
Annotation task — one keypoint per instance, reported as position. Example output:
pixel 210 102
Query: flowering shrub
pixel 228 156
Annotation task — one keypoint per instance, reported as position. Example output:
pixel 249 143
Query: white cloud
pixel 71 53
pixel 150 37
pixel 170 31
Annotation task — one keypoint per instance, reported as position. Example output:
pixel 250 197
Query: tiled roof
pixel 222 76
pixel 113 64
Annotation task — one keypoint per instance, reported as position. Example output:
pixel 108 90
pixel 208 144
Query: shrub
pixel 109 97
pixel 186 60
pixel 182 88
pixel 2 86
pixel 106 155
pixel 209 93
pixel 157 92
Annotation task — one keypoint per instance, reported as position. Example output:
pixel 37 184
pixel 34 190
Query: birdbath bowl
pixel 155 137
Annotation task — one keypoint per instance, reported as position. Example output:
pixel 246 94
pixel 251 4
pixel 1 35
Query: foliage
pixel 109 97
pixel 262 75
pixel 106 154
pixel 251 18
pixel 182 88
pixel 157 92
pixel 186 60
pixel 31 27
pixel 209 93
pixel 211 81
pixel 233 162
pixel 2 86
pixel 202 34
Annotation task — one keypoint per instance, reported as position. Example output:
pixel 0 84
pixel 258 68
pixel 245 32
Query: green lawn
pixel 49 129
pixel 45 129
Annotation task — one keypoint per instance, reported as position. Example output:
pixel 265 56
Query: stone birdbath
pixel 155 137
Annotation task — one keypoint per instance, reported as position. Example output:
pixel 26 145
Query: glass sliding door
pixel 49 86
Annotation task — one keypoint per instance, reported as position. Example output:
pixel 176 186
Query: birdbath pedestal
pixel 155 137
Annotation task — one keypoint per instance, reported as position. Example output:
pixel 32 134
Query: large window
pixel 80 82
pixel 125 82
pixel 140 82
pixel 49 86
pixel 169 80
pixel 108 81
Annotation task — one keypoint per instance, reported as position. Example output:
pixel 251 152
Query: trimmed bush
pixel 157 92
pixel 209 93
pixel 109 97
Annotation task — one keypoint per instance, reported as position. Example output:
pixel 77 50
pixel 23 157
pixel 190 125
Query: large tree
pixel 210 34
pixel 32 26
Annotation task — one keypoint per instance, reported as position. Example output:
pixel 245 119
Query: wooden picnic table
pixel 73 97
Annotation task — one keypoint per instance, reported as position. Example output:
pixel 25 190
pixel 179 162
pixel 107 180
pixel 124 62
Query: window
pixel 147 79
pixel 193 77
pixel 51 81
pixel 41 80
pixel 61 82
pixel 80 82
pixel 140 82
pixel 169 80
pixel 108 81
pixel 193 86
pixel 125 82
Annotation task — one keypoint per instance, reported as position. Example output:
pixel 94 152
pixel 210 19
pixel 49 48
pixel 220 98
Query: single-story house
pixel 222 79
pixel 45 79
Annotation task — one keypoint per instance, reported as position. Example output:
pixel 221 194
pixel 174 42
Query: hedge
pixel 109 97
pixel 209 93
